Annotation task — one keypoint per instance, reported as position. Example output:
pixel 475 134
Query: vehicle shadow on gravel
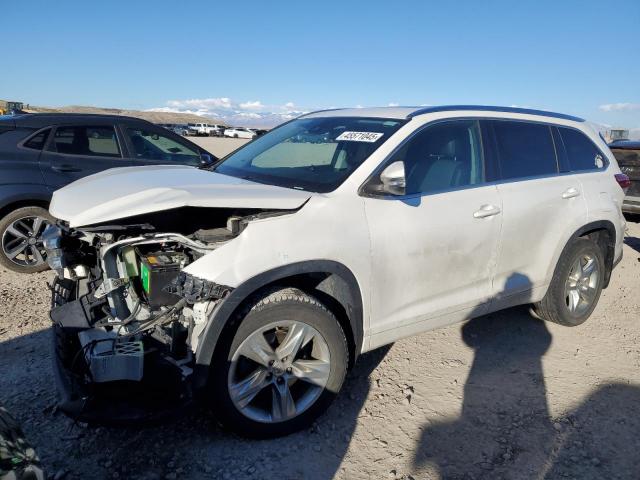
pixel 191 446
pixel 505 429
pixel 633 242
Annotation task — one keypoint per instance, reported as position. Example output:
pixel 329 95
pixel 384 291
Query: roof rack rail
pixel 529 111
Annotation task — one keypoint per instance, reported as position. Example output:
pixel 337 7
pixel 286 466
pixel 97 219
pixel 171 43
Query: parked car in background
pixel 206 129
pixel 627 152
pixel 259 131
pixel 40 153
pixel 182 129
pixel 239 132
pixel 176 128
pixel 260 282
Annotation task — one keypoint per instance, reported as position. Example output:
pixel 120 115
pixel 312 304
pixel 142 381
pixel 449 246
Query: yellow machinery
pixel 8 107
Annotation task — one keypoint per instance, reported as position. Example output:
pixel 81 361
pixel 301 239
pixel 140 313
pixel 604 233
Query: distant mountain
pixel 151 116
pixel 238 117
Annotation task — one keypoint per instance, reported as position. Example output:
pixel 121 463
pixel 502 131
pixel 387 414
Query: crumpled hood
pixel 125 192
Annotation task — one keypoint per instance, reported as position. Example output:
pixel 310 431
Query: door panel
pixel 541 206
pixel 537 214
pixel 432 256
pixel 434 249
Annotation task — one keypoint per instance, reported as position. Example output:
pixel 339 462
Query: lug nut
pixel 289 370
pixel 279 380
pixel 271 362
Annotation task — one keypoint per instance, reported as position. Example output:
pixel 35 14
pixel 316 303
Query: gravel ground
pixel 219 146
pixel 502 396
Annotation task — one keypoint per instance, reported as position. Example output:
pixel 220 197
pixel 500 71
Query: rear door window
pixel 98 141
pixel 581 152
pixel 524 149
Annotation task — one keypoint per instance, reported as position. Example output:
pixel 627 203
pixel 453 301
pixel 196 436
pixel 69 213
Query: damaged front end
pixel 126 318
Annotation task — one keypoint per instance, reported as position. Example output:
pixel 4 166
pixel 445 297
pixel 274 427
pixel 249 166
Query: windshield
pixel 315 154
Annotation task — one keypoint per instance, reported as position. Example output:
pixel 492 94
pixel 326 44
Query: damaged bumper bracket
pixel 194 289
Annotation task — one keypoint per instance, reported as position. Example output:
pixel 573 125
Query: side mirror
pixel 206 159
pixel 393 180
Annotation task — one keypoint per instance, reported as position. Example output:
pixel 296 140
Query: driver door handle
pixel 65 168
pixel 486 211
pixel 571 193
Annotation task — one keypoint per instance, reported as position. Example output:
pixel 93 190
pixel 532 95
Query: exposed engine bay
pixel 124 312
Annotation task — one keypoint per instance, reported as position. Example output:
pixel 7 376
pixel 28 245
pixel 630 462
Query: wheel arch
pixel 331 282
pixel 603 232
pixel 34 199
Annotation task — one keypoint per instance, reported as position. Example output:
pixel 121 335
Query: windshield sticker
pixel 359 137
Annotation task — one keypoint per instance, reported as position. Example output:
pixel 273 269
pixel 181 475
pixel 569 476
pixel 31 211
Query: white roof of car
pixel 402 113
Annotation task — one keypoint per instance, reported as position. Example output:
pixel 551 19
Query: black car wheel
pixel 576 285
pixel 281 365
pixel 21 248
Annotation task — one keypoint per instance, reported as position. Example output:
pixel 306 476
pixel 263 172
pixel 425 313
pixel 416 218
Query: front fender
pixel 224 311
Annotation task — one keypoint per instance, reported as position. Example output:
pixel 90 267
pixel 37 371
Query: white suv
pixel 206 129
pixel 259 281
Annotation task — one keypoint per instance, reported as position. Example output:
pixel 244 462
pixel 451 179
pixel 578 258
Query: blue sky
pixel 578 57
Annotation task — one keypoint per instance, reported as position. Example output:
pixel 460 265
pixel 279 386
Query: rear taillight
pixel 623 180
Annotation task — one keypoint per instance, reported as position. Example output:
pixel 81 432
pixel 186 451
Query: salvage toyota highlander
pixel 255 283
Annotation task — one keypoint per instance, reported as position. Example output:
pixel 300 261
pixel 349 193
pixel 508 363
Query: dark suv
pixel 627 152
pixel 40 153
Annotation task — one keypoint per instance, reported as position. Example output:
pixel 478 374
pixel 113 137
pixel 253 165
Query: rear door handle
pixel 486 211
pixel 571 193
pixel 65 168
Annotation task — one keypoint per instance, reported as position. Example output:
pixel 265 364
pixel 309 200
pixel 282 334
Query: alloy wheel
pixel 22 241
pixel 581 287
pixel 279 371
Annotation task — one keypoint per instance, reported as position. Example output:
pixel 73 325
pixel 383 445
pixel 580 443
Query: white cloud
pixel 393 104
pixel 289 105
pixel 257 105
pixel 620 107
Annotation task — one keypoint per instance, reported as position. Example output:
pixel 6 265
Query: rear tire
pixel 21 248
pixel 576 285
pixel 291 384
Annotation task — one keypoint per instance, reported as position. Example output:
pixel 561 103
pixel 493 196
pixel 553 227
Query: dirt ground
pixel 502 396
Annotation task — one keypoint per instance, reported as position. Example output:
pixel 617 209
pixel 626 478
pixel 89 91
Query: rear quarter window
pixel 37 141
pixel 582 154
pixel 524 149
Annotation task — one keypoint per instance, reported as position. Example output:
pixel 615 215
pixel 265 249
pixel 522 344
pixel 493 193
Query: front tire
pixel 284 360
pixel 21 248
pixel 576 285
